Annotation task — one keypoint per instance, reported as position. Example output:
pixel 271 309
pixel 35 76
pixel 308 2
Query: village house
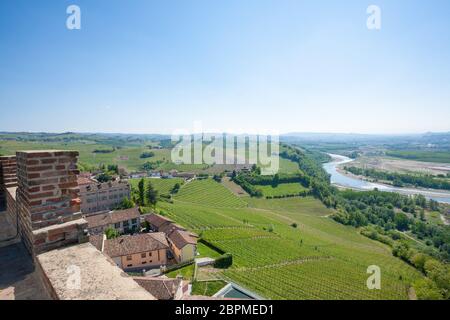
pixel 124 221
pixel 157 222
pixel 97 196
pixel 182 243
pixel 137 252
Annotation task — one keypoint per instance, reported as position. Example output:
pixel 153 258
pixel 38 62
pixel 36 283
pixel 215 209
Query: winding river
pixel 342 180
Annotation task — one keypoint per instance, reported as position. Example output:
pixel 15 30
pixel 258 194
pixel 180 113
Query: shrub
pixel 224 261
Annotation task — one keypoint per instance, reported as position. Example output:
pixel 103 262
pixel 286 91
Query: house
pixel 156 221
pixel 164 288
pixel 124 221
pixel 182 243
pixel 139 175
pixel 185 175
pixel 137 252
pixel 102 196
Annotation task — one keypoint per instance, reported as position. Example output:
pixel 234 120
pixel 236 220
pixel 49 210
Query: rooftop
pixel 157 220
pixel 126 245
pixel 103 219
pixel 100 278
pixel 181 238
pixel 160 288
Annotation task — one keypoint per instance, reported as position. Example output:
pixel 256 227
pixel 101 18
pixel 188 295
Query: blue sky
pixel 147 66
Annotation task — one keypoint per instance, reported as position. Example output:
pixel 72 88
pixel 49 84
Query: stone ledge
pixel 100 278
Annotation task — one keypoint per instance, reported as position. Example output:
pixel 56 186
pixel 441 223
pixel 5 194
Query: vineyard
pixel 288 248
pixel 209 193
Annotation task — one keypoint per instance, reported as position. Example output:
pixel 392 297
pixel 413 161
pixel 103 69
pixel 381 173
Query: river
pixel 342 180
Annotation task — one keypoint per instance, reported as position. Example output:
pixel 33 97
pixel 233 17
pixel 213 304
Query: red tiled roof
pixel 157 220
pixel 127 245
pixel 160 288
pixel 112 217
pixel 96 241
pixel 181 238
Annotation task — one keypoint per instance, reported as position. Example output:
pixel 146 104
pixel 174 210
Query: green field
pixel 164 186
pixel 207 288
pixel 427 156
pixel 126 156
pixel 288 248
pixel 288 166
pixel 281 189
pixel 208 193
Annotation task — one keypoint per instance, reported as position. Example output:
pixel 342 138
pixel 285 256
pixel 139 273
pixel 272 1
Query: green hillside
pixel 288 248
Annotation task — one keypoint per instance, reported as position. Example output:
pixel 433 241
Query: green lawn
pixel 187 272
pixel 206 251
pixel 281 189
pixel 288 166
pixel 207 288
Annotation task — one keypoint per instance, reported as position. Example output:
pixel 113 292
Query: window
pixel 144 262
pixel 149 254
pixel 117 225
pixel 134 221
pixel 129 258
pixel 126 223
pixel 143 255
pixel 129 265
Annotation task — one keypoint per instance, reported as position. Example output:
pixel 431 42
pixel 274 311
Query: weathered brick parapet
pixel 82 272
pixel 8 176
pixel 48 196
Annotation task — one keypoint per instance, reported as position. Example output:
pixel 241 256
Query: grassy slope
pixel 281 189
pixel 208 193
pixel 320 259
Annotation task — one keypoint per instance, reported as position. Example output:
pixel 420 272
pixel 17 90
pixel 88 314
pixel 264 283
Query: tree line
pixel 402 179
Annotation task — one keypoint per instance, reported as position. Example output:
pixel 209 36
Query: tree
pixel 141 190
pixel 151 194
pixel 401 222
pixel 427 290
pixel 419 260
pixel 125 204
pixel 175 188
pixel 111 233
pixel 104 177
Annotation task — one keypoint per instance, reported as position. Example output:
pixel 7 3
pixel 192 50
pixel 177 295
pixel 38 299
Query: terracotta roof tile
pixel 160 288
pixel 127 245
pixel 103 219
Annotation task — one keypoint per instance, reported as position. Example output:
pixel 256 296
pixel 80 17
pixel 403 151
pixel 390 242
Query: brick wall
pixel 47 199
pixel 8 177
